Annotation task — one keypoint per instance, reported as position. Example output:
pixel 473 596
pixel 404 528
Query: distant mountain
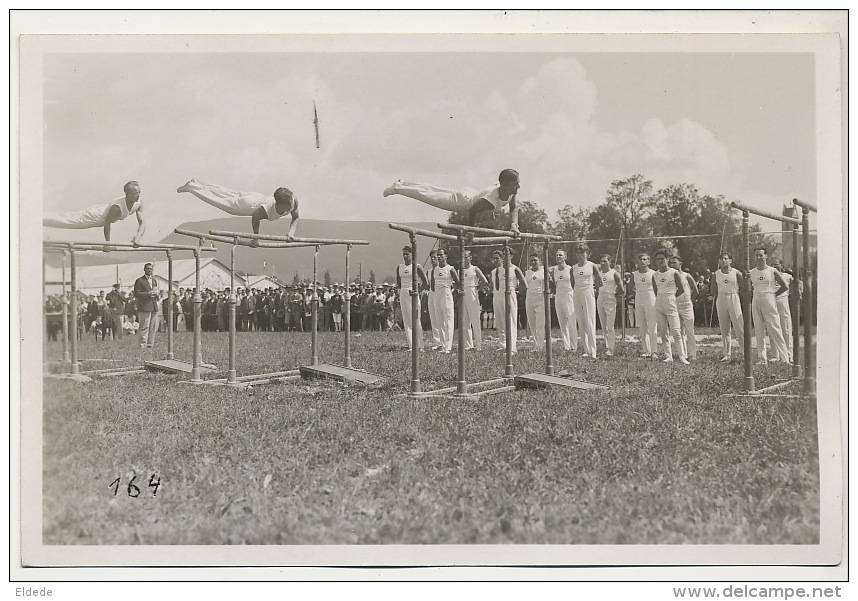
pixel 380 257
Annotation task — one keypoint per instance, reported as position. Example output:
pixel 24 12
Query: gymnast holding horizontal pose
pixel 104 215
pixel 466 200
pixel 255 205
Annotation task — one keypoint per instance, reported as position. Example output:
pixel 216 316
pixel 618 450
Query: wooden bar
pixel 767 214
pixel 419 232
pixel 804 204
pixel 484 230
pixel 488 241
pixel 313 241
pixel 118 245
pixel 242 242
pixel 140 249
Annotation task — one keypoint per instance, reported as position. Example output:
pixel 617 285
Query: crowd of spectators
pixel 289 309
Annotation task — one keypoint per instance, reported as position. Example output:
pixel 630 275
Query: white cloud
pixel 249 125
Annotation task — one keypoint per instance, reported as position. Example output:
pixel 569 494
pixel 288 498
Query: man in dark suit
pixel 146 294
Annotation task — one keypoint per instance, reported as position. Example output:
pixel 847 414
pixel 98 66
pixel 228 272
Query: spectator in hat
pixel 116 302
pixel 336 305
pixel 367 302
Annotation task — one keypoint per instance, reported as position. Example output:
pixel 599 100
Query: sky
pixel 740 125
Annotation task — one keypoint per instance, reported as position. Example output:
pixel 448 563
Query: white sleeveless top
pixel 123 207
pixel 787 278
pixel 764 280
pixel 535 281
pixel 728 283
pixel 643 282
pixel 562 279
pixel 666 281
pixel 492 195
pixel 584 276
pixel 609 282
pixel 443 277
pixel 685 299
pixel 470 277
pixel 404 271
pixel 95 216
pixel 271 209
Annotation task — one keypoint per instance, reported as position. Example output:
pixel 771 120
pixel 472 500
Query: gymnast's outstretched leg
pixel 456 201
pixel 234 202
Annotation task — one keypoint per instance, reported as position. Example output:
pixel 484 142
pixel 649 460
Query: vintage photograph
pixel 388 298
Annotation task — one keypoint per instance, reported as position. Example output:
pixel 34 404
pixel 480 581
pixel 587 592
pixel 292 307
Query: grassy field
pixel 659 458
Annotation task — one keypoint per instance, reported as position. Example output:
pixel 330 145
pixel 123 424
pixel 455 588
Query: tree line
pixel 649 219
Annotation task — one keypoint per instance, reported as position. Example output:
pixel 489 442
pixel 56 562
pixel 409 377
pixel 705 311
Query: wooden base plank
pixel 546 381
pixel 339 373
pixel 175 366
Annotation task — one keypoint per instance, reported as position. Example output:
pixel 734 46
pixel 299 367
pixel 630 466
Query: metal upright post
pixel 809 365
pixel 507 261
pixel 314 303
pixel 198 301
pixel 347 317
pixel 347 362
pixel 75 366
pixel 795 307
pixel 231 377
pixel 415 318
pixel 169 305
pixel 65 304
pixel 461 385
pixel 549 363
pixel 746 306
pixel 623 278
pixel 46 336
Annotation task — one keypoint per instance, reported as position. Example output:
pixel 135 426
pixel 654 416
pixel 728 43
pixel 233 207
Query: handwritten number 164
pixel 133 490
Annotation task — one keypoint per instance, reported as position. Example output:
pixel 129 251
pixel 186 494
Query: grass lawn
pixel 659 458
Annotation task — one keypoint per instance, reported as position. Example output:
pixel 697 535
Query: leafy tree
pixel 676 211
pixel 327 278
pixel 627 207
pixel 572 223
pixel 679 210
pixel 372 277
pixel 296 279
